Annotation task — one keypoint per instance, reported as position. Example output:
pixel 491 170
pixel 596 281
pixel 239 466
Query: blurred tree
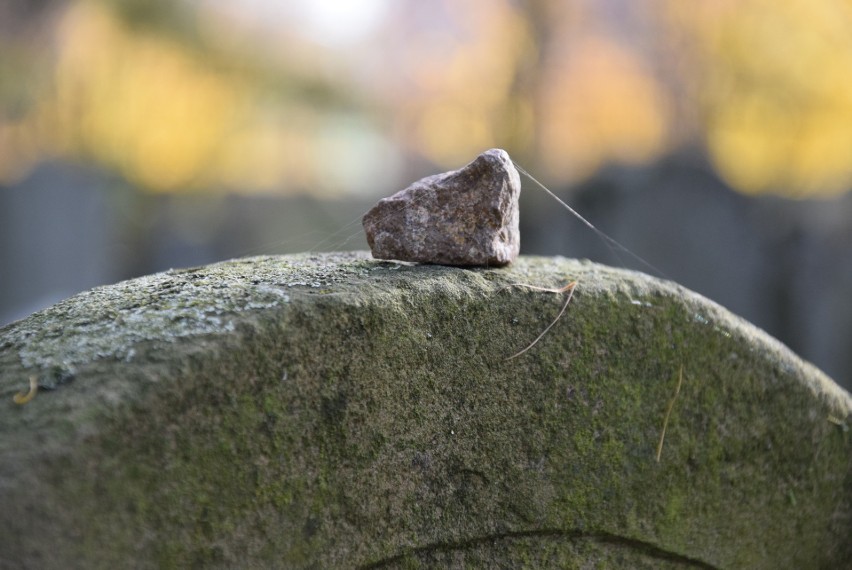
pixel 143 92
pixel 773 83
pixel 187 95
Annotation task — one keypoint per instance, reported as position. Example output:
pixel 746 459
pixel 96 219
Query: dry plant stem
pixel 21 398
pixel 568 288
pixel 668 413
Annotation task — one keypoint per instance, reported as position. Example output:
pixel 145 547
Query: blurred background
pixel 713 137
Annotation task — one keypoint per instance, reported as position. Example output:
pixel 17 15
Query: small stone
pixel 467 216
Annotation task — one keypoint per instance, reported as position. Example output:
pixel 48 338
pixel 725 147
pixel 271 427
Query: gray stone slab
pixel 335 411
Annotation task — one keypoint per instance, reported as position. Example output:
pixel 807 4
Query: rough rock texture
pixel 338 412
pixel 463 217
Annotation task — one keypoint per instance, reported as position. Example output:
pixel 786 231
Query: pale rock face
pixel 463 217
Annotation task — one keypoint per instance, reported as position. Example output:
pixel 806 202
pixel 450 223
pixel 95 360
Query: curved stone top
pixel 340 411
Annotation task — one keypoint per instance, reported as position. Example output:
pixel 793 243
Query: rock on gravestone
pixel 464 217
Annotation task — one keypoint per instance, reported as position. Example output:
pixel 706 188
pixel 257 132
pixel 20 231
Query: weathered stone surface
pixel 339 412
pixel 463 217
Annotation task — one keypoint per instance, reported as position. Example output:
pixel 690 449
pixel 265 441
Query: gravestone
pixel 333 411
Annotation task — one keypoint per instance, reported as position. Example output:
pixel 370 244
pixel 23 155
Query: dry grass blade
pixel 22 398
pixel 668 413
pixel 569 289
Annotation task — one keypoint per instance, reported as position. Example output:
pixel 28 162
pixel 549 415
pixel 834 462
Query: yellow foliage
pixel 775 84
pixel 161 115
pixel 464 81
pixel 141 103
pixel 601 105
pixel 769 80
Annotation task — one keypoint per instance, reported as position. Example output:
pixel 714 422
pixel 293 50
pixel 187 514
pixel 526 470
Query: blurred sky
pixel 329 97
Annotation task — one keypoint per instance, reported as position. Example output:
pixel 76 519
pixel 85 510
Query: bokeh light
pixel 248 96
